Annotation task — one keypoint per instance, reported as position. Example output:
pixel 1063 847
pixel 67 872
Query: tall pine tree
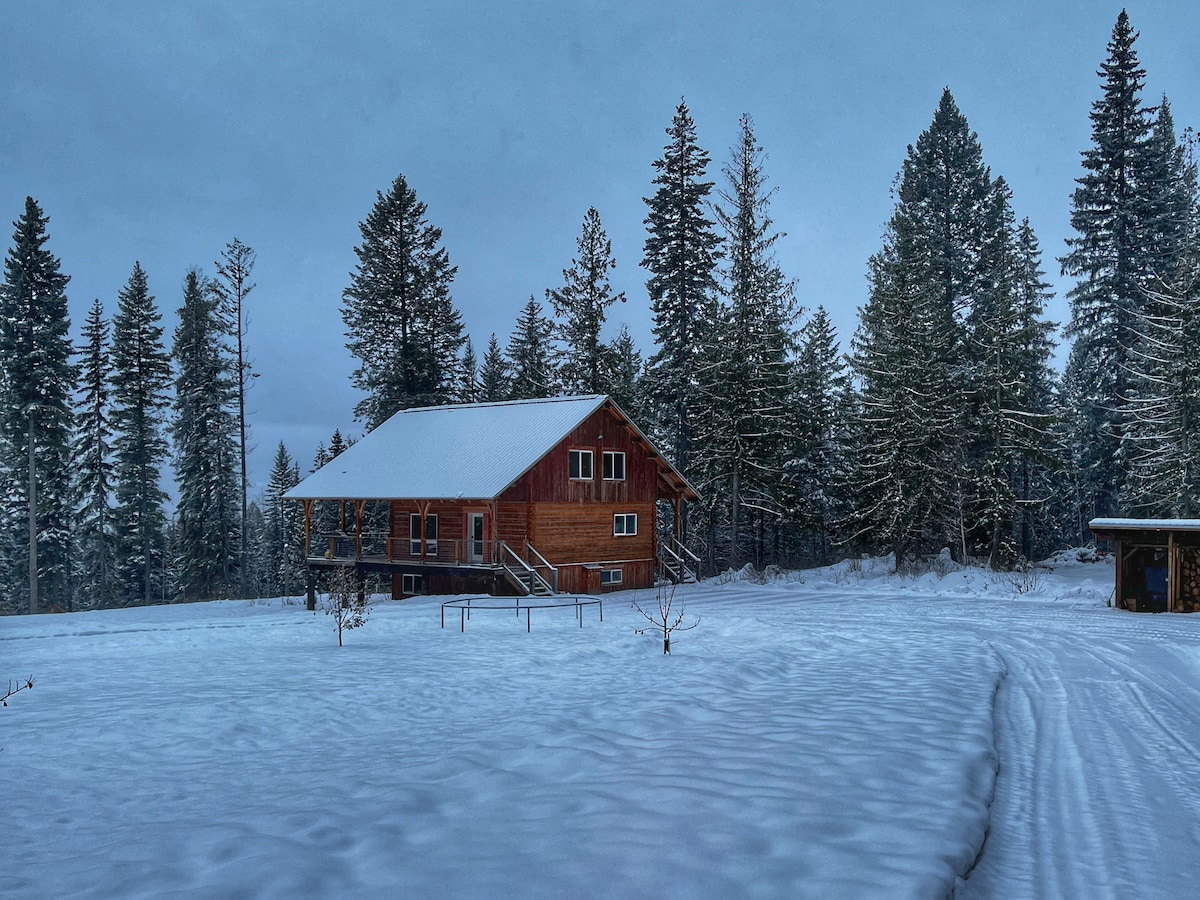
pixel 1114 255
pixel 530 355
pixel 401 322
pixel 205 431
pixel 681 253
pixel 232 286
pixel 95 537
pixel 141 380
pixel 493 374
pixel 36 381
pixel 582 306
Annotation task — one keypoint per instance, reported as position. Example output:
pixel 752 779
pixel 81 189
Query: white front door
pixel 475 537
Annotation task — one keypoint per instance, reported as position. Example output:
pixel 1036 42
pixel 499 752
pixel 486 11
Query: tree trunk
pixel 33 565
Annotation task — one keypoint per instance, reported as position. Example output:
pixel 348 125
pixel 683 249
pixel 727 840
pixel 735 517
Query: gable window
pixel 414 534
pixel 614 465
pixel 411 584
pixel 579 465
pixel 625 524
pixel 612 576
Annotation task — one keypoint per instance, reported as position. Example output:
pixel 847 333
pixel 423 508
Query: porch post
pixel 358 519
pixel 1172 573
pixel 308 505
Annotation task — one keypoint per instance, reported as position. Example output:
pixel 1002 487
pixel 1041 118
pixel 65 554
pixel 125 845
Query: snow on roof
pixel 1144 525
pixel 467 451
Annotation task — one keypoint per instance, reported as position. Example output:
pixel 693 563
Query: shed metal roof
pixel 1103 525
pixel 461 452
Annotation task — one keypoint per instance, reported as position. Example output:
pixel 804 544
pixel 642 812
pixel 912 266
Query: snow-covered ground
pixel 827 734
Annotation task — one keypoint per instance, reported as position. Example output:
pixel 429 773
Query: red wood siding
pixel 548 480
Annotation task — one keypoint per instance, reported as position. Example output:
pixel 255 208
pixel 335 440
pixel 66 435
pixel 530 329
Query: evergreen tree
pixel 1009 347
pixel 95 537
pixel 401 323
pixel 205 430
pixel 813 488
pixel 744 373
pixel 625 367
pixel 494 381
pixel 233 285
pixel 283 528
pixel 36 381
pixel 1114 256
pixel 582 304
pixel 468 385
pixel 140 380
pixel 530 355
pixel 681 253
pixel 917 472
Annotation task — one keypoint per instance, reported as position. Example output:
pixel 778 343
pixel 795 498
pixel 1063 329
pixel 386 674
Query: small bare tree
pixel 24 685
pixel 666 616
pixel 346 601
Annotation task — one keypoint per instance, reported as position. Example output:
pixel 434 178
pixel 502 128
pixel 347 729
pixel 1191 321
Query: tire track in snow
pixel 1096 788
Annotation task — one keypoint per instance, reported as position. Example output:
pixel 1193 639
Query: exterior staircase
pixel 532 577
pixel 677 563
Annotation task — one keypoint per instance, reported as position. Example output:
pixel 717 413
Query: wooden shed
pixel 524 497
pixel 1157 562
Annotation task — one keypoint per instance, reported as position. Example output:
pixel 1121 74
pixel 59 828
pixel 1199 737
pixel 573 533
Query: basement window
pixel 579 465
pixel 411 584
pixel 612 576
pixel 625 524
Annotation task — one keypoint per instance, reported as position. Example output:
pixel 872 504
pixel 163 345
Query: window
pixel 414 534
pixel 614 465
pixel 625 524
pixel 612 576
pixel 579 465
pixel 411 584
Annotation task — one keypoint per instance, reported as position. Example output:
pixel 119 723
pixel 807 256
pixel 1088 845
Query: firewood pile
pixel 1189 580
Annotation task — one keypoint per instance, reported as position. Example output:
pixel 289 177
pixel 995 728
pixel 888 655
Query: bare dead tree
pixel 666 616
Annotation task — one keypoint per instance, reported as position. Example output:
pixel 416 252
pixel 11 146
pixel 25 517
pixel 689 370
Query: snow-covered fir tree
pixel 743 375
pixel 283 535
pixel 36 382
pixel 205 429
pixel 625 364
pixel 1115 256
pixel 141 378
pixel 812 490
pixel 581 305
pixel 95 535
pixel 401 323
pixel 681 253
pixel 467 390
pixel 494 382
pixel 530 354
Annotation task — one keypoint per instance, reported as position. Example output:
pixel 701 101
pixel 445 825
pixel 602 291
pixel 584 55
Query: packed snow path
pixel 846 736
pixel 1098 737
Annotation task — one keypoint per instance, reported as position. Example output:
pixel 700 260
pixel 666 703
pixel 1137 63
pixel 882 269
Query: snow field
pixel 791 746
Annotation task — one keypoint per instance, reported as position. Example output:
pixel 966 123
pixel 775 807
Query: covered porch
pixel 1157 563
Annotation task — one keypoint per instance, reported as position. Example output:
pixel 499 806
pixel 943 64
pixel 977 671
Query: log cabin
pixel 1157 563
pixel 544 496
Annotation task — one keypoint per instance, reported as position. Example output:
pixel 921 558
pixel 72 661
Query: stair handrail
pixel 553 583
pixel 529 570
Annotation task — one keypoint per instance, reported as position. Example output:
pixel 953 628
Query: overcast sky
pixel 158 131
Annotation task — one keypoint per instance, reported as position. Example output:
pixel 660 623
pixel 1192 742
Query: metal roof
pixel 461 452
pixel 1144 525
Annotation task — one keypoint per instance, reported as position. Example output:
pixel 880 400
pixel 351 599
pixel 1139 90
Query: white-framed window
pixel 625 524
pixel 612 576
pixel 614 465
pixel 414 532
pixel 579 465
pixel 411 584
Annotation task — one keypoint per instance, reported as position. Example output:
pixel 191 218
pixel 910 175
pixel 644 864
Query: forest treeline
pixel 942 424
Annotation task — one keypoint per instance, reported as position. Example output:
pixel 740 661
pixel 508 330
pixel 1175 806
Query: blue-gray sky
pixel 157 131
